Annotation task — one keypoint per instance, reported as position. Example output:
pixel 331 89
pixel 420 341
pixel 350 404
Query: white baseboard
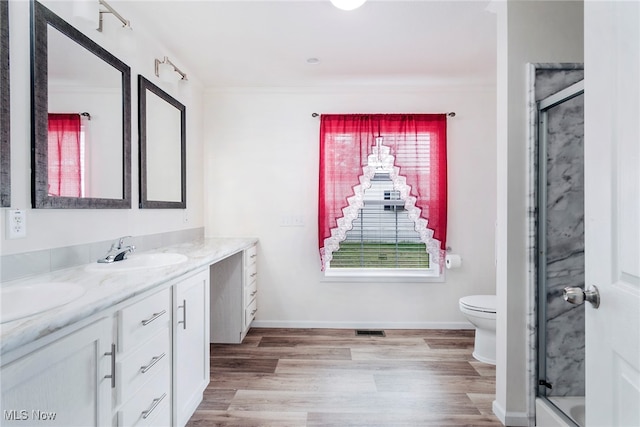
pixel 297 324
pixel 511 419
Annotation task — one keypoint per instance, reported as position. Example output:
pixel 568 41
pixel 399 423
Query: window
pixel 383 235
pixel 390 194
pixel 65 155
pixel 382 207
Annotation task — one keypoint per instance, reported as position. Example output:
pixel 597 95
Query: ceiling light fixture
pixel 164 70
pixel 347 4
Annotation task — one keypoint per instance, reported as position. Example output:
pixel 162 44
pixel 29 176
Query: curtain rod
pixel 450 114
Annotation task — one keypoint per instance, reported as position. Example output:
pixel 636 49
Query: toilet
pixel 480 310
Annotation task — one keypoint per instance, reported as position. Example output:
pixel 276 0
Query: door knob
pixel 578 296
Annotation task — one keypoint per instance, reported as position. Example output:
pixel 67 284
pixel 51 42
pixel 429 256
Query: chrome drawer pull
pixel 253 293
pixel 154 360
pixel 254 274
pixel 112 353
pixel 184 314
pixel 152 318
pixel 253 256
pixel 254 311
pixel 154 405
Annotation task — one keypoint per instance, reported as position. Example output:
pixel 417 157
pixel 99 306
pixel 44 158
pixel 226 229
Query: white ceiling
pixel 267 43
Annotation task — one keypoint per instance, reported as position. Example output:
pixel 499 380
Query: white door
pixel 612 211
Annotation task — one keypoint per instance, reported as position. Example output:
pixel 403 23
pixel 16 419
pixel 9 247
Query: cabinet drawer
pixel 250 292
pixel 138 322
pixel 250 313
pixel 250 255
pixel 250 274
pixel 151 405
pixel 136 369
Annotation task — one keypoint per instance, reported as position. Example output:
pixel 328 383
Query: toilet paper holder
pixel 452 261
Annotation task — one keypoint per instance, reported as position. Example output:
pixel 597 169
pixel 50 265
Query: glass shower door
pixel 561 326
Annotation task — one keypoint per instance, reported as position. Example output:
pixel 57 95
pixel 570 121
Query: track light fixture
pixel 109 9
pixel 164 70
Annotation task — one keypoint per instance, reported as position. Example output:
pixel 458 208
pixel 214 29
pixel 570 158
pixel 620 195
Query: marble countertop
pixel 104 290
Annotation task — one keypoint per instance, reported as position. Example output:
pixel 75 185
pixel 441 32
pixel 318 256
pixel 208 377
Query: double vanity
pixel 124 343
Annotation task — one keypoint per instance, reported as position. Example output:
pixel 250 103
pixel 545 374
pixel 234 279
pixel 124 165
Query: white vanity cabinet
pixel 143 362
pixel 67 382
pixel 136 352
pixel 190 344
pixel 234 303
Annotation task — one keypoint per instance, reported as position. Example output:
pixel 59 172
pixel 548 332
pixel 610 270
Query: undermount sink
pixel 139 262
pixel 26 300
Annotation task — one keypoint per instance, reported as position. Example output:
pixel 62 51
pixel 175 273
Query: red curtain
pixel 64 155
pixel 347 140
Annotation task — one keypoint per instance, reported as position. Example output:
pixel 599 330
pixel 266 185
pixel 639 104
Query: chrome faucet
pixel 118 252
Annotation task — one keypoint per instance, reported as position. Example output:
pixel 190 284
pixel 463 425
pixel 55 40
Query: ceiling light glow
pixel 347 4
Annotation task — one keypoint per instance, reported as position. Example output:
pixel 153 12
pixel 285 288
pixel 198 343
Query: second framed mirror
pixel 162 145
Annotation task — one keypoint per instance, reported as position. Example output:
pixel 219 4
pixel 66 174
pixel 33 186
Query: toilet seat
pixel 480 311
pixel 480 303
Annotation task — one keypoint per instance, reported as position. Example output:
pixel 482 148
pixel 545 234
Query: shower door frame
pixel 543 106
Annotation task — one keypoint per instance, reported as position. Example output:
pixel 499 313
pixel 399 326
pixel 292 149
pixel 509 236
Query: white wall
pixel 262 164
pixel 528 31
pixel 51 228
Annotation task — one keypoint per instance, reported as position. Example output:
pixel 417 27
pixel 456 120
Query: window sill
pixel 357 275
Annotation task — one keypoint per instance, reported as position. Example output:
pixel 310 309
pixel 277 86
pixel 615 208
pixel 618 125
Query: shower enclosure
pixel 560 242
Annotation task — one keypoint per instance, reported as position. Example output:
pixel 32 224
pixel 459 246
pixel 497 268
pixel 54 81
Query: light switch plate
pixel 288 220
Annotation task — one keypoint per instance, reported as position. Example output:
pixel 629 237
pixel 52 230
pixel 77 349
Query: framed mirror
pixel 81 119
pixel 162 143
pixel 5 141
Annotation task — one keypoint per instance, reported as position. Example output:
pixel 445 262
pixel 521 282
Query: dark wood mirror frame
pixel 41 18
pixel 5 140
pixel 145 85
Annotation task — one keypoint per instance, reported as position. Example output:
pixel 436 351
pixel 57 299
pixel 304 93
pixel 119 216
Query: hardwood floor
pixel 331 377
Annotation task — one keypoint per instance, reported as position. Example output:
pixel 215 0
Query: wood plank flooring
pixel 333 378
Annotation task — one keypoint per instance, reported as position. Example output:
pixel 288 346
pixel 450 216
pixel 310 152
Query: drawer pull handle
pixel 184 314
pixel 112 353
pixel 152 318
pixel 254 311
pixel 154 360
pixel 254 292
pixel 254 274
pixel 253 255
pixel 154 405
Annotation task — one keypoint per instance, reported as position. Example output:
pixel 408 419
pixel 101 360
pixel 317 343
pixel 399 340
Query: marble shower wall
pixel 564 231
